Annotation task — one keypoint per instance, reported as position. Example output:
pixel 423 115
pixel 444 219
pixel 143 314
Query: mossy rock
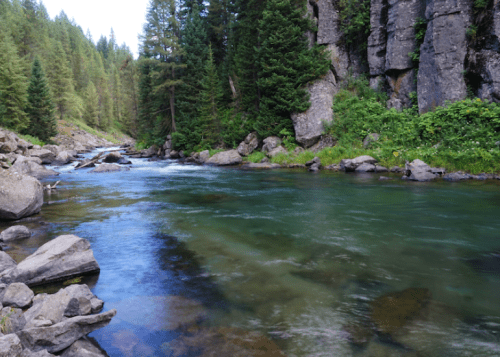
pixel 392 311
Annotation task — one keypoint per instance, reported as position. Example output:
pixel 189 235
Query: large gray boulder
pixel 17 295
pixel 10 346
pixel 59 336
pixel 247 146
pixel 75 300
pixel 20 195
pixel 6 262
pixel 276 151
pixel 271 143
pixel 442 55
pixel 225 158
pixel 46 156
pixel 63 158
pixel 61 258
pixel 309 125
pixel 15 233
pixel 418 170
pixel 30 167
pixel 113 157
pixel 83 348
pixel 350 165
pixel 13 319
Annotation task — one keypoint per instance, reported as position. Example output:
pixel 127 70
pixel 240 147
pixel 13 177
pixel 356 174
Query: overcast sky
pixel 99 16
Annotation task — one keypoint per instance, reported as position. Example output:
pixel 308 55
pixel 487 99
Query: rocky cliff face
pixel 460 53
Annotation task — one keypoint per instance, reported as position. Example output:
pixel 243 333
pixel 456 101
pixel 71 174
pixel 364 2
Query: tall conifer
pixel 61 80
pixel 91 108
pixel 40 108
pixel 13 86
pixel 286 65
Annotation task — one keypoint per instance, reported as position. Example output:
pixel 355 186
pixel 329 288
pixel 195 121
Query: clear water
pixel 204 261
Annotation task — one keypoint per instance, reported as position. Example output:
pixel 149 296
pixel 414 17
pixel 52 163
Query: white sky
pixel 99 16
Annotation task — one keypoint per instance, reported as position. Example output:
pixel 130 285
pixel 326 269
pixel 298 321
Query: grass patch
pixel 256 157
pixel 31 139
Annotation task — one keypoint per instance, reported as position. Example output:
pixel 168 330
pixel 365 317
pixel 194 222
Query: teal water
pixel 204 261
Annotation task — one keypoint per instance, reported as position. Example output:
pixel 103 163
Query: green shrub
pixel 31 139
pixel 256 156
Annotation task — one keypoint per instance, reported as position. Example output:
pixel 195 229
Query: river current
pixel 207 261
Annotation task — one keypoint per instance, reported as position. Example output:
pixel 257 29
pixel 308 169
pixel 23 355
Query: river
pixel 207 261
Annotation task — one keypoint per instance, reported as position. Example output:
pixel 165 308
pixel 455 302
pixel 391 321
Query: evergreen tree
pixel 91 109
pixel 210 97
pixel 40 109
pixel 61 80
pixel 286 65
pixel 13 86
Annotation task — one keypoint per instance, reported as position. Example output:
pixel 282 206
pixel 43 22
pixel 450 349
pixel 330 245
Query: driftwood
pixel 96 158
pixel 53 187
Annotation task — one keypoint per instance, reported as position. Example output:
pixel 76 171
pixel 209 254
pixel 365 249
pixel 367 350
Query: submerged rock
pixel 392 311
pixel 102 168
pixel 83 348
pixel 350 165
pixel 314 165
pixel 63 257
pixel 20 195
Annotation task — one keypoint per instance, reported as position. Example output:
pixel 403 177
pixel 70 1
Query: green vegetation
pixel 65 66
pixel 464 135
pixel 355 21
pixel 420 27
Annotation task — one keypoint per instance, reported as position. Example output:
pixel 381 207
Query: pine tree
pixel 286 65
pixel 61 80
pixel 13 86
pixel 91 109
pixel 40 109
pixel 210 97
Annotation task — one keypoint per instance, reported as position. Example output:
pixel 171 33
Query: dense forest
pixel 50 69
pixel 208 72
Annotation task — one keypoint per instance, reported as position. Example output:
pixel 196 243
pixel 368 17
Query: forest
pixel 207 72
pixel 210 72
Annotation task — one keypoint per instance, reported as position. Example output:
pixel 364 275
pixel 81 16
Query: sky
pixel 99 16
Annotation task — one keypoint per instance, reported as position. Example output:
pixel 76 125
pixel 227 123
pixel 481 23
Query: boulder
pixel 10 346
pixel 109 168
pixel 20 195
pixel 6 262
pixel 204 156
pixel 314 165
pixel 124 161
pixel 17 295
pixel 113 157
pixel 278 150
pixel 381 169
pixel 13 320
pixel 225 158
pixel 271 143
pixel 42 353
pixel 61 258
pixel 418 170
pixel 59 336
pixel 325 141
pixel 457 176
pixel 63 158
pixel 8 146
pixel 45 155
pixel 333 167
pixel 55 149
pixel 83 348
pixel 149 152
pixel 349 165
pixel 247 146
pixel 365 168
pixel 397 169
pixel 32 168
pixel 14 233
pixel 75 300
pixel 309 125
pixel 370 138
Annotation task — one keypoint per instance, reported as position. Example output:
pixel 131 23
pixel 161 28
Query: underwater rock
pixel 392 311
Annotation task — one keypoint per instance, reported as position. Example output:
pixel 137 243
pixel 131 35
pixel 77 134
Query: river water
pixel 207 261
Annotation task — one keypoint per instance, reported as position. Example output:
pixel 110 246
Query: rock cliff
pixel 459 54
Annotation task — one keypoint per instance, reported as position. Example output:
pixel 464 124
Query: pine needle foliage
pixel 286 65
pixel 40 108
